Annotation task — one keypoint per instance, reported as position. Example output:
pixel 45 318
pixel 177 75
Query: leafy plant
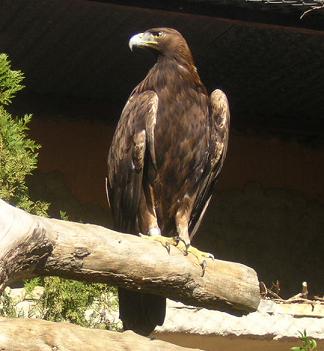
pixel 18 153
pixel 31 284
pixel 10 81
pixel 68 300
pixel 308 343
pixel 7 306
pixel 62 300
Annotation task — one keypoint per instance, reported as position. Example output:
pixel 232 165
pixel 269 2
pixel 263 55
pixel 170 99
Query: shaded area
pixel 263 11
pixel 274 230
pixel 272 75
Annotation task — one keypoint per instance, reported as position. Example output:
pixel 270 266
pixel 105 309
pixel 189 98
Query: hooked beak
pixel 142 40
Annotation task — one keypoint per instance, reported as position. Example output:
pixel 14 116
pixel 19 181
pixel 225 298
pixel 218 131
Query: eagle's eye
pixel 158 34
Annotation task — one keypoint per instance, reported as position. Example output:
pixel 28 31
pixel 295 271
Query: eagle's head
pixel 162 41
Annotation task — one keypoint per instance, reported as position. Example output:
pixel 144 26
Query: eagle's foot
pixel 201 257
pixel 163 240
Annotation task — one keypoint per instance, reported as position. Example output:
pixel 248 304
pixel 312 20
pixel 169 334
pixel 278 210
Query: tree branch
pixel 36 246
pixel 34 335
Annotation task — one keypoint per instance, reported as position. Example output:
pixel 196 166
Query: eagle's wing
pixel 220 121
pixel 133 141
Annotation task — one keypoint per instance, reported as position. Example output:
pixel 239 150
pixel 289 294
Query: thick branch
pixel 32 245
pixel 37 335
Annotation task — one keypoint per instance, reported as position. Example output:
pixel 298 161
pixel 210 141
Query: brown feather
pixel 126 160
pixel 166 154
pixel 220 123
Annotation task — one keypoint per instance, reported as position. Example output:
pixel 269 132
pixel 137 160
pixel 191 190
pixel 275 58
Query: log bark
pixel 36 246
pixel 37 335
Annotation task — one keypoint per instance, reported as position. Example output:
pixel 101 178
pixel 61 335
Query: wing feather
pixel 133 138
pixel 220 121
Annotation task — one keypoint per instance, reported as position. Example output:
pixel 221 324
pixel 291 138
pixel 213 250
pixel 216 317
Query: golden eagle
pixel 164 159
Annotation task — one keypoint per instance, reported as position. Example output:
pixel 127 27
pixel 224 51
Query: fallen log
pixel 37 246
pixel 19 334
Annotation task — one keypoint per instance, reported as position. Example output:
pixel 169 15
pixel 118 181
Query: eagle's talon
pixel 181 245
pixel 201 257
pixel 166 242
pixel 187 246
pixel 177 239
pixel 203 265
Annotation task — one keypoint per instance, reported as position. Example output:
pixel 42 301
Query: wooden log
pixel 36 246
pixel 19 334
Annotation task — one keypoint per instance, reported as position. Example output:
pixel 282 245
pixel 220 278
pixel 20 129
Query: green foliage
pixel 68 300
pixel 64 215
pixel 10 81
pixel 308 343
pixel 31 284
pixel 63 300
pixel 7 306
pixel 85 304
pixel 18 153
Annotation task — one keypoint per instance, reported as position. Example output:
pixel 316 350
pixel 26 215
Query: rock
pixel 36 293
pixel 27 309
pixel 17 295
pixel 213 330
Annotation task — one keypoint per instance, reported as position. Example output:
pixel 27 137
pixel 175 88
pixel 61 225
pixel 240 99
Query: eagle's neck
pixel 175 72
pixel 182 65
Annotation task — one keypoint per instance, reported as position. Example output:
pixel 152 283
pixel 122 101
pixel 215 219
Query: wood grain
pixel 36 246
pixel 37 335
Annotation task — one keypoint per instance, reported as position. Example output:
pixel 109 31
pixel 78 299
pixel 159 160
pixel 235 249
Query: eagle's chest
pixel 181 136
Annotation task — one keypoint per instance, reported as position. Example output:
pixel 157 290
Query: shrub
pixel 18 153
pixel 62 300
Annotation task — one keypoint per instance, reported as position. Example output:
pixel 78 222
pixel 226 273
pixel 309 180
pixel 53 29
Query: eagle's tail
pixel 140 312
